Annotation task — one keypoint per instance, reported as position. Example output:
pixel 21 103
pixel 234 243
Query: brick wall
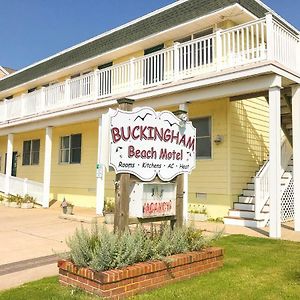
pixel 141 277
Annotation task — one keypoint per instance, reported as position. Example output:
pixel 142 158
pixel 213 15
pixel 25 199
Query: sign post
pixel 155 147
pixel 122 185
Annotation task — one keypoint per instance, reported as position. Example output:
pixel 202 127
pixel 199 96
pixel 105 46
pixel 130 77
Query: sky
pixel 31 30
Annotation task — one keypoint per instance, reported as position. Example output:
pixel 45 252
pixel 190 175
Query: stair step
pixel 247 192
pixel 289 125
pixel 245 222
pixel 285 110
pixel 250 186
pixel 246 214
pixel 243 206
pixel 246 199
pixel 249 214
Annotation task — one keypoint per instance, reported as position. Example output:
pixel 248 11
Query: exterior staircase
pixel 243 212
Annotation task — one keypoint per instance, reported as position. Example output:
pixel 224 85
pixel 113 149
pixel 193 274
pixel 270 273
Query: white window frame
pixel 69 149
pixel 211 135
pixel 31 153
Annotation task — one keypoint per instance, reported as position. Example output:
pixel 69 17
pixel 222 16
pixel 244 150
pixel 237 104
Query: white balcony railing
pixel 263 39
pixel 23 186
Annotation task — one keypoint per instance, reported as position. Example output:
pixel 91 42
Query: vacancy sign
pixel 146 143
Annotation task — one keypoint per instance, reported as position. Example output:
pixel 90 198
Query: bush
pixel 102 250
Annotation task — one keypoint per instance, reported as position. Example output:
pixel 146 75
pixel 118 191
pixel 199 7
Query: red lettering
pixel 115 134
pixel 130 151
pixel 134 136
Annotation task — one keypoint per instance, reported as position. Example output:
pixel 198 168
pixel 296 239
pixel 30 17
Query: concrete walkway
pixel 30 238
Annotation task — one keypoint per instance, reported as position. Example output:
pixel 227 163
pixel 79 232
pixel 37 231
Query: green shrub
pixel 15 198
pixel 101 250
pixel 28 199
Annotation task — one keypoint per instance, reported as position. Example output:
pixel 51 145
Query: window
pixel 70 149
pixel 31 152
pixel 203 137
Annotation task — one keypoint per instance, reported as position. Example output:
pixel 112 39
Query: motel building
pixel 233 65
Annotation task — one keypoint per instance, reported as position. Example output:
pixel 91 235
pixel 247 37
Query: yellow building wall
pixel 32 172
pixel 249 126
pixel 76 182
pixel 128 57
pixel 208 183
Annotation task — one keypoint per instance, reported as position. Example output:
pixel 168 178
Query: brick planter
pixel 140 277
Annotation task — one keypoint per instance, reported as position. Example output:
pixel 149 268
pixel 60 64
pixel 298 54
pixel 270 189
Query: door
pixel 14 164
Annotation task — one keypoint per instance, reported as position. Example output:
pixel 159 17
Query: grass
pixel 254 269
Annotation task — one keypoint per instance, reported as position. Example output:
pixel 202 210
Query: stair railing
pixel 262 178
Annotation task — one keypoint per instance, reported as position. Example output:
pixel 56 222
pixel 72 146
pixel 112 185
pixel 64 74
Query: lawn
pixel 254 269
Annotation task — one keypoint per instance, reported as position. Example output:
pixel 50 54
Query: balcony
pixel 260 40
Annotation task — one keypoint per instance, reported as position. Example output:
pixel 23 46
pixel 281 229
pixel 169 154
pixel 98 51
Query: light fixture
pixel 218 139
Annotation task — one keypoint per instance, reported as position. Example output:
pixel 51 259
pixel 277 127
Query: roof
pixel 6 70
pixel 163 19
pixel 9 70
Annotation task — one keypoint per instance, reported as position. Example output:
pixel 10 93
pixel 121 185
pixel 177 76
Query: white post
pixel 275 161
pixel 42 106
pixel 270 36
pixel 176 61
pixel 9 155
pixel 184 107
pixel 5 110
pixel 47 167
pixel 132 75
pixel 296 153
pixel 96 88
pixel 67 91
pixel 218 50
pixel 23 105
pixel 100 174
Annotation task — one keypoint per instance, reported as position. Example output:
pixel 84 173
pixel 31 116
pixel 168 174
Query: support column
pixel 100 181
pixel 9 155
pixel 296 153
pixel 47 167
pixel 275 161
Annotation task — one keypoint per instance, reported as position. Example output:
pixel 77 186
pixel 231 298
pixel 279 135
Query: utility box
pixel 150 200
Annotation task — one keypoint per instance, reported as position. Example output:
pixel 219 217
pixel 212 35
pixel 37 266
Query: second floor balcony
pixel 261 40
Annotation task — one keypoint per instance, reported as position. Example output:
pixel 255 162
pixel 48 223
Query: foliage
pixel 28 199
pixel 109 206
pixel 15 198
pixel 216 220
pixel 19 199
pixel 203 210
pixel 100 249
pixel 2 198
